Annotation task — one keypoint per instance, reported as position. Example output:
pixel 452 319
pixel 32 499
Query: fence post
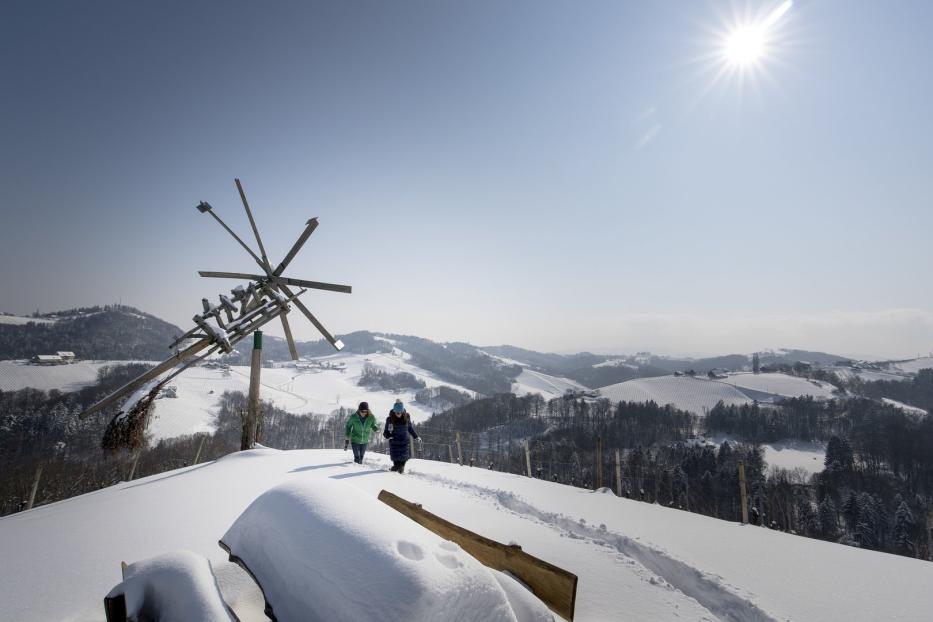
pixel 411 446
pixel 333 435
pixel 450 452
pixel 599 462
pixel 618 473
pixel 197 456
pixel 35 487
pixel 459 451
pixel 742 493
pixel 527 459
pixel 322 440
pixel 133 466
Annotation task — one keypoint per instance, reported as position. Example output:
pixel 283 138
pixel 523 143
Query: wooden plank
pixel 556 587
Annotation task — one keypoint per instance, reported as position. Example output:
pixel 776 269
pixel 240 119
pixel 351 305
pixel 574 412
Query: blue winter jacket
pixel 397 429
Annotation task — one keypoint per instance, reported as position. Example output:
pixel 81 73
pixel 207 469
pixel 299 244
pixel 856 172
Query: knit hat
pixel 363 406
pixel 399 406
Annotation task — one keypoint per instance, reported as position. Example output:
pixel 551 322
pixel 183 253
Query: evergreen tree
pixel 903 527
pixel 828 521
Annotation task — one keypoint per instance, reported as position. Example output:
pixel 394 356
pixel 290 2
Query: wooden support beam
pixel 554 586
pixel 527 459
pixel 599 462
pixel 618 473
pixel 459 451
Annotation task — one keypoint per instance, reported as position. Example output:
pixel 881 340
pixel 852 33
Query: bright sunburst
pixel 747 43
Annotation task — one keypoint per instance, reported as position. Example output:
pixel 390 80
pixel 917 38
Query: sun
pixel 744 46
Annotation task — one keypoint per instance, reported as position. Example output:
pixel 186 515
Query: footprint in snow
pixel 410 550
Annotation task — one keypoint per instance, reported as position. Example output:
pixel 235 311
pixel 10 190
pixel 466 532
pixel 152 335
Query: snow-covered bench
pixel 321 550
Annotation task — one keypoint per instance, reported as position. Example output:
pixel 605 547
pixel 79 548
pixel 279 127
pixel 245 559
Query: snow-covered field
pixel 548 386
pixel 18 320
pixel 699 395
pixel 915 365
pixel 868 375
pixel 769 386
pixel 296 390
pixel 16 375
pixel 635 561
pixel 696 395
pixel 905 407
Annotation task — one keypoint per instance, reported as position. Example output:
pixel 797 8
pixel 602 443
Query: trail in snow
pixel 708 591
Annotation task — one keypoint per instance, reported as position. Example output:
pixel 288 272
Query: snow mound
pixel 697 395
pixel 173 586
pixel 323 551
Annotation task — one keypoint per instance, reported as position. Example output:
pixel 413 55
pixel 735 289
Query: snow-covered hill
pixel 318 386
pixel 699 395
pixel 635 561
pixel 16 375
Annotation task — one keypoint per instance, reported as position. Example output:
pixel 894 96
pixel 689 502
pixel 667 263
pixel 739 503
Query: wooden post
pixel 333 435
pixel 197 456
pixel 527 459
pixel 618 473
pixel 556 587
pixel 459 451
pixel 450 452
pixel 742 493
pixel 129 477
pixel 599 462
pixel 411 445
pixel 252 416
pixel 322 439
pixel 35 487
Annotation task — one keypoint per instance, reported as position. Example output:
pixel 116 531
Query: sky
pixel 561 176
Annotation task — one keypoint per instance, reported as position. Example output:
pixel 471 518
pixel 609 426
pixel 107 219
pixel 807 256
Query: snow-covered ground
pixel 16 375
pixel 699 395
pixel 635 561
pixel 905 407
pixel 915 365
pixel 769 386
pixel 18 320
pixel 296 390
pixel 868 375
pixel 792 455
pixel 696 395
pixel 548 386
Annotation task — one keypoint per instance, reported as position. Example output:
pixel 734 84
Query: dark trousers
pixel 358 450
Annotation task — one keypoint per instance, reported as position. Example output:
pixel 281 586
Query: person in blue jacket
pixel 397 430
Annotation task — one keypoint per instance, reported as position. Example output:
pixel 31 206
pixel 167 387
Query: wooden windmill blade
pixel 279 280
pixel 292 348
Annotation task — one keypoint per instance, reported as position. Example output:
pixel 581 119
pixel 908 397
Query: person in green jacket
pixel 360 425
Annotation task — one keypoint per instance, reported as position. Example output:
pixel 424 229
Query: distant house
pixel 67 357
pixel 47 359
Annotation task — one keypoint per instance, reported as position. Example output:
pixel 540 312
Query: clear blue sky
pixel 557 175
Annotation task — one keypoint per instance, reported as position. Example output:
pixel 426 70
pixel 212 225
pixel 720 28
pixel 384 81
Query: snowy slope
pixel 15 375
pixel 635 561
pixel 905 407
pixel 296 390
pixel 915 365
pixel 16 320
pixel 776 386
pixel 699 395
pixel 696 395
pixel 548 386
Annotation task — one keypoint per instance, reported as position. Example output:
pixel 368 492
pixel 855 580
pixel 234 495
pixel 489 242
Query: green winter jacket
pixel 358 430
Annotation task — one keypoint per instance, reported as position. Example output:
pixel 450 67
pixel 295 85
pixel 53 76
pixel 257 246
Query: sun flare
pixel 744 46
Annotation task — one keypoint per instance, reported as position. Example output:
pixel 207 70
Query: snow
pixel 915 365
pixel 16 375
pixel 16 320
pixel 172 586
pixel 789 454
pixel 635 561
pixel 302 390
pixel 321 546
pixel 770 386
pixel 548 386
pixel 905 407
pixel 615 363
pixel 868 375
pixel 697 395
